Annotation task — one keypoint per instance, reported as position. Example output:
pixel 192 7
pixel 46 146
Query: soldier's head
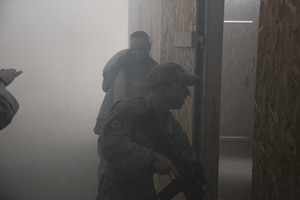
pixel 139 45
pixel 169 81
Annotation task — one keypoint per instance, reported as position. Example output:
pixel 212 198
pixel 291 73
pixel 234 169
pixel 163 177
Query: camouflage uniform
pixel 8 108
pixel 129 152
pixel 123 78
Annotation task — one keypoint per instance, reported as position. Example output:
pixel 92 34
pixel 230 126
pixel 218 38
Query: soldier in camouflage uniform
pixel 125 75
pixel 131 155
pixel 8 104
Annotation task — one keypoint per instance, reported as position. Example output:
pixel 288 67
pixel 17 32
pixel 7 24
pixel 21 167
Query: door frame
pixel 209 33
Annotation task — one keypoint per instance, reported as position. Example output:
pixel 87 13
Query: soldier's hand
pixel 8 75
pixel 163 165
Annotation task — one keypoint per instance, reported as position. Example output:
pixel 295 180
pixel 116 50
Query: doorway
pixel 240 36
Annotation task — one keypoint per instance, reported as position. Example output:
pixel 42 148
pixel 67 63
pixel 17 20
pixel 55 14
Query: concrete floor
pixel 235 169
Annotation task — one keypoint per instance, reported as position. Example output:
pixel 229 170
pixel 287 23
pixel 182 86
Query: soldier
pixel 141 137
pixel 125 74
pixel 8 104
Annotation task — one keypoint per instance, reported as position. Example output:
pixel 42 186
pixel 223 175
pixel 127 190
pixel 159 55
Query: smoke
pixel 49 150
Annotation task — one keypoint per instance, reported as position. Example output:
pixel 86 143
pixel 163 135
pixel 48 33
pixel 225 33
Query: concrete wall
pixel 276 173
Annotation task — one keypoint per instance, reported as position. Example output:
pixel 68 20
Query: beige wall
pixel 179 16
pixel 277 125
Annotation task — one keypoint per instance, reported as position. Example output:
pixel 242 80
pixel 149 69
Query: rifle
pixel 190 183
pixel 191 177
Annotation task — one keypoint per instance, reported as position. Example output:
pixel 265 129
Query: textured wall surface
pixel 277 125
pixel 178 16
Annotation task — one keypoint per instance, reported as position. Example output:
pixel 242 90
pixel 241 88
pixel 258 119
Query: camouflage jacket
pixel 122 78
pixel 8 108
pixel 130 152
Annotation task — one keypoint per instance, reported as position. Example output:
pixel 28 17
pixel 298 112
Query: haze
pixel 49 150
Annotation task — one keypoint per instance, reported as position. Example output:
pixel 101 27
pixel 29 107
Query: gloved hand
pixel 163 165
pixel 8 75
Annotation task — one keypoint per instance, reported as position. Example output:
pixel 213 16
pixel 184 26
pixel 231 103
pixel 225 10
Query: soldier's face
pixel 177 95
pixel 139 48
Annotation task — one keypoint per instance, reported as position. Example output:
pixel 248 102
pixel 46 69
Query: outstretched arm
pixel 8 104
pixel 8 75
